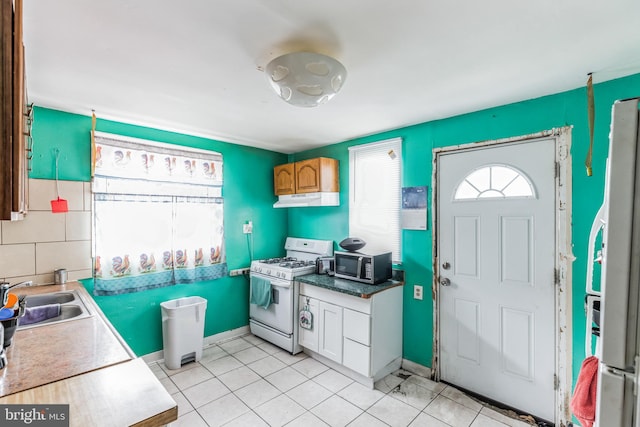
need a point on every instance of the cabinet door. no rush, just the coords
(308, 338)
(18, 203)
(357, 357)
(308, 176)
(357, 326)
(13, 173)
(284, 179)
(330, 331)
(6, 108)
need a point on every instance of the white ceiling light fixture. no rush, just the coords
(306, 79)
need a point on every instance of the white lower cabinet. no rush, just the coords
(330, 331)
(325, 335)
(308, 338)
(357, 357)
(356, 341)
(361, 334)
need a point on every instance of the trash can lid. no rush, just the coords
(185, 302)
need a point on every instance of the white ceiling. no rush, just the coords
(194, 65)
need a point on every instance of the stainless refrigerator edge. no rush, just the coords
(617, 348)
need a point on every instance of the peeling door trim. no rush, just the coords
(563, 261)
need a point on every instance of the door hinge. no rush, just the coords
(557, 169)
(556, 382)
(556, 277)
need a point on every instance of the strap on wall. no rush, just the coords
(592, 116)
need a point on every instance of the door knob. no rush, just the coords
(446, 265)
(445, 282)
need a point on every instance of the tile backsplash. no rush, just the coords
(31, 249)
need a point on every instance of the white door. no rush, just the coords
(496, 254)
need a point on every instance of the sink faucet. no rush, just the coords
(5, 286)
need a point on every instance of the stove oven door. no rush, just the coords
(279, 315)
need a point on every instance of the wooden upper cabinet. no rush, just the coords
(306, 176)
(13, 106)
(319, 174)
(284, 180)
(6, 107)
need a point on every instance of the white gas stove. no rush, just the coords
(276, 323)
(286, 268)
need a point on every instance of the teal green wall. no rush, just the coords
(248, 195)
(564, 109)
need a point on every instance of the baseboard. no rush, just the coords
(225, 336)
(208, 341)
(416, 368)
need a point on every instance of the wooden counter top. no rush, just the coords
(127, 394)
(84, 363)
(43, 354)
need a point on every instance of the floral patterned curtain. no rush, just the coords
(158, 215)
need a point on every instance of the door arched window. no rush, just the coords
(494, 182)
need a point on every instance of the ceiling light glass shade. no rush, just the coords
(305, 79)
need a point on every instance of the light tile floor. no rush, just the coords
(249, 382)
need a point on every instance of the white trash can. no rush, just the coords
(182, 330)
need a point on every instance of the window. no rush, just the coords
(494, 182)
(375, 194)
(157, 213)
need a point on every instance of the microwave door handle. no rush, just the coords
(359, 270)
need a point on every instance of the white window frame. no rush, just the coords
(377, 240)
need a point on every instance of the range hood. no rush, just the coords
(308, 199)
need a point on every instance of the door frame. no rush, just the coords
(563, 260)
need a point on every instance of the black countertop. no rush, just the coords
(345, 286)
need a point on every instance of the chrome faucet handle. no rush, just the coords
(25, 283)
(4, 293)
(5, 286)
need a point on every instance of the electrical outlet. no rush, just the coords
(417, 292)
(247, 228)
(239, 271)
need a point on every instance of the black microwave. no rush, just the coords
(371, 269)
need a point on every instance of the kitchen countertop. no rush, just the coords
(126, 394)
(82, 362)
(43, 354)
(345, 286)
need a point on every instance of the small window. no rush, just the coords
(494, 182)
(157, 215)
(375, 172)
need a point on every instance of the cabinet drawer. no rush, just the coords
(357, 326)
(357, 357)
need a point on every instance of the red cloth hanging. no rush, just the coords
(583, 402)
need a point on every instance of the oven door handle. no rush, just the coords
(274, 282)
(281, 284)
